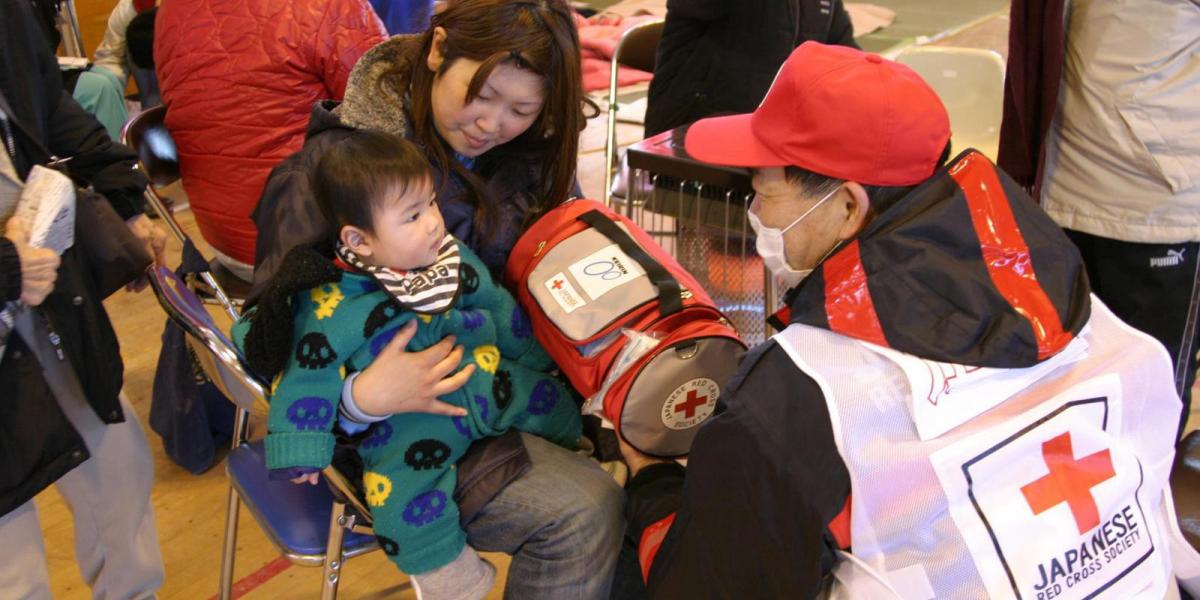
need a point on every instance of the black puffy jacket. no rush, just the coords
(720, 57)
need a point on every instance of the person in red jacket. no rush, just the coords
(239, 81)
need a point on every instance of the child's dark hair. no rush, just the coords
(354, 174)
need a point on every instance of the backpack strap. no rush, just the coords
(670, 299)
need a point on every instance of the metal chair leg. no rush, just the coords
(332, 570)
(241, 421)
(230, 547)
(610, 139)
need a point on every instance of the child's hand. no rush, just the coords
(311, 478)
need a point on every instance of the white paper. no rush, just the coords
(47, 206)
(604, 270)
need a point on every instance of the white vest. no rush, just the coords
(1038, 483)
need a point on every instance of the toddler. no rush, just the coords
(330, 310)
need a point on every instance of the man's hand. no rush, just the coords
(39, 266)
(634, 459)
(155, 240)
(399, 381)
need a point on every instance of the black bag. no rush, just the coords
(186, 409)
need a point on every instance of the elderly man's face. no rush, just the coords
(779, 202)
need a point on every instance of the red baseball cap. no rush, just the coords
(835, 111)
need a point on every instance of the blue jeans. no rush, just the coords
(562, 523)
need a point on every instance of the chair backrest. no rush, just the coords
(639, 45)
(637, 49)
(223, 364)
(215, 352)
(147, 135)
(970, 82)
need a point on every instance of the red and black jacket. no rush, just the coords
(964, 269)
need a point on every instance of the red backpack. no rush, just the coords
(628, 326)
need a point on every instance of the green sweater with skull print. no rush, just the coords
(340, 327)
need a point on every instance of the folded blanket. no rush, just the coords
(598, 38)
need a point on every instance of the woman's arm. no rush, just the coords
(401, 381)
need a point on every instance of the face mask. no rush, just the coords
(770, 246)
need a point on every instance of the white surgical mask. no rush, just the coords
(770, 246)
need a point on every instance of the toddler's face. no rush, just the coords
(408, 229)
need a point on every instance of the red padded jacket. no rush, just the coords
(239, 80)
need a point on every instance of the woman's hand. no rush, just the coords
(39, 266)
(400, 381)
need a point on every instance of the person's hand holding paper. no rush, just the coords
(41, 229)
(39, 266)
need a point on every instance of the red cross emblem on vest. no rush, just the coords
(1070, 481)
(690, 405)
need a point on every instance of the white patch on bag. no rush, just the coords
(1052, 503)
(605, 269)
(564, 293)
(691, 403)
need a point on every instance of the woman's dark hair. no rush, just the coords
(882, 196)
(535, 35)
(354, 174)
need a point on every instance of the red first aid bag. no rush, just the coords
(622, 318)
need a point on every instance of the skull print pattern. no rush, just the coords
(409, 459)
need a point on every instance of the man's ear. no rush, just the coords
(858, 207)
(356, 240)
(437, 53)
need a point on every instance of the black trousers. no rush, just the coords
(1155, 288)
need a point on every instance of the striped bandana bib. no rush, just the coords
(428, 290)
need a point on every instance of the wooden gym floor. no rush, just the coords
(190, 510)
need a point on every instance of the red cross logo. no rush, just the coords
(1069, 481)
(694, 401)
(557, 284)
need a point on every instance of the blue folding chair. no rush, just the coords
(311, 525)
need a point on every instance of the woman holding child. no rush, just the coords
(491, 97)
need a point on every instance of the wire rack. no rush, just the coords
(697, 212)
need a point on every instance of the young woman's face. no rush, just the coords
(508, 103)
